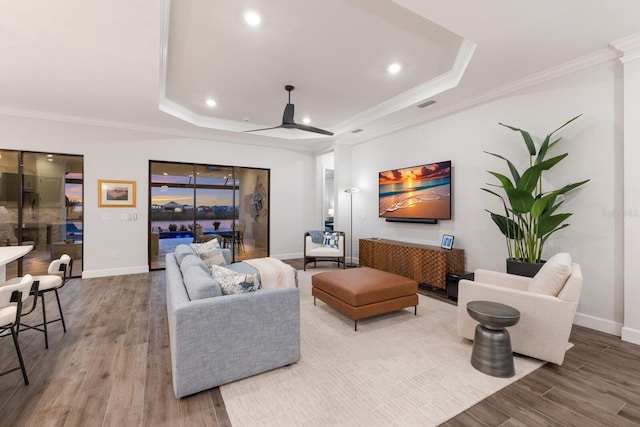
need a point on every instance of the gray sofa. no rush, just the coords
(217, 340)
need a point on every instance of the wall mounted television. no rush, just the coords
(416, 194)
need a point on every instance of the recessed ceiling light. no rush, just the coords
(252, 18)
(306, 120)
(394, 68)
(211, 102)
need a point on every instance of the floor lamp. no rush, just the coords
(350, 191)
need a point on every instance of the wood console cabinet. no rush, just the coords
(423, 263)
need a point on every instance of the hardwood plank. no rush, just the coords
(465, 419)
(160, 403)
(129, 378)
(197, 410)
(631, 412)
(129, 417)
(542, 404)
(519, 412)
(89, 408)
(221, 411)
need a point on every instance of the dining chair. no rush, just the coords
(11, 301)
(59, 273)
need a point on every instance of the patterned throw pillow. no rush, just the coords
(232, 282)
(330, 240)
(211, 253)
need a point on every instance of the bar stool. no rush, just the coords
(11, 300)
(59, 274)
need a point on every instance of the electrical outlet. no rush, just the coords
(114, 254)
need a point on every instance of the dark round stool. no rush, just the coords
(492, 353)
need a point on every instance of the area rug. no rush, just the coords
(397, 369)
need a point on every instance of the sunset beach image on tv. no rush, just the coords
(419, 192)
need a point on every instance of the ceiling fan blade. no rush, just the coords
(312, 129)
(257, 130)
(287, 117)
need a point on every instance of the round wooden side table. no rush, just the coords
(492, 353)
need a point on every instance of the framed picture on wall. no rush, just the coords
(447, 242)
(116, 194)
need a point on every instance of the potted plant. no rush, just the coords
(530, 213)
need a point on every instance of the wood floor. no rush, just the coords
(112, 368)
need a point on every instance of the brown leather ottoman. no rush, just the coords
(364, 292)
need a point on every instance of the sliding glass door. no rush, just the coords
(197, 203)
(41, 200)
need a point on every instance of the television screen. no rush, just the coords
(419, 192)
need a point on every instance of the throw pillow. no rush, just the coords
(330, 240)
(552, 276)
(211, 253)
(199, 284)
(182, 251)
(211, 244)
(232, 282)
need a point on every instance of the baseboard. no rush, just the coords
(296, 255)
(90, 274)
(598, 324)
(631, 335)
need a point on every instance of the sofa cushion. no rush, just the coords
(330, 240)
(191, 260)
(232, 282)
(199, 284)
(552, 276)
(182, 251)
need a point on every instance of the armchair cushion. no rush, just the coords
(552, 276)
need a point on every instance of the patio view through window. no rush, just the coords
(193, 203)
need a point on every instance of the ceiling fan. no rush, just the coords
(287, 119)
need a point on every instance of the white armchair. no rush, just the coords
(545, 320)
(314, 252)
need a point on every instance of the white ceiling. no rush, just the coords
(151, 64)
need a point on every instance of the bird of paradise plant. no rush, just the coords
(530, 216)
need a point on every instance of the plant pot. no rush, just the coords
(522, 268)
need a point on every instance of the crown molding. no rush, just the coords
(587, 61)
(629, 46)
(415, 95)
(209, 135)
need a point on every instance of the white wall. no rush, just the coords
(594, 144)
(122, 154)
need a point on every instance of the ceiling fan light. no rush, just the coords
(306, 120)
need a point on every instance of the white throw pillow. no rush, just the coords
(211, 253)
(552, 276)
